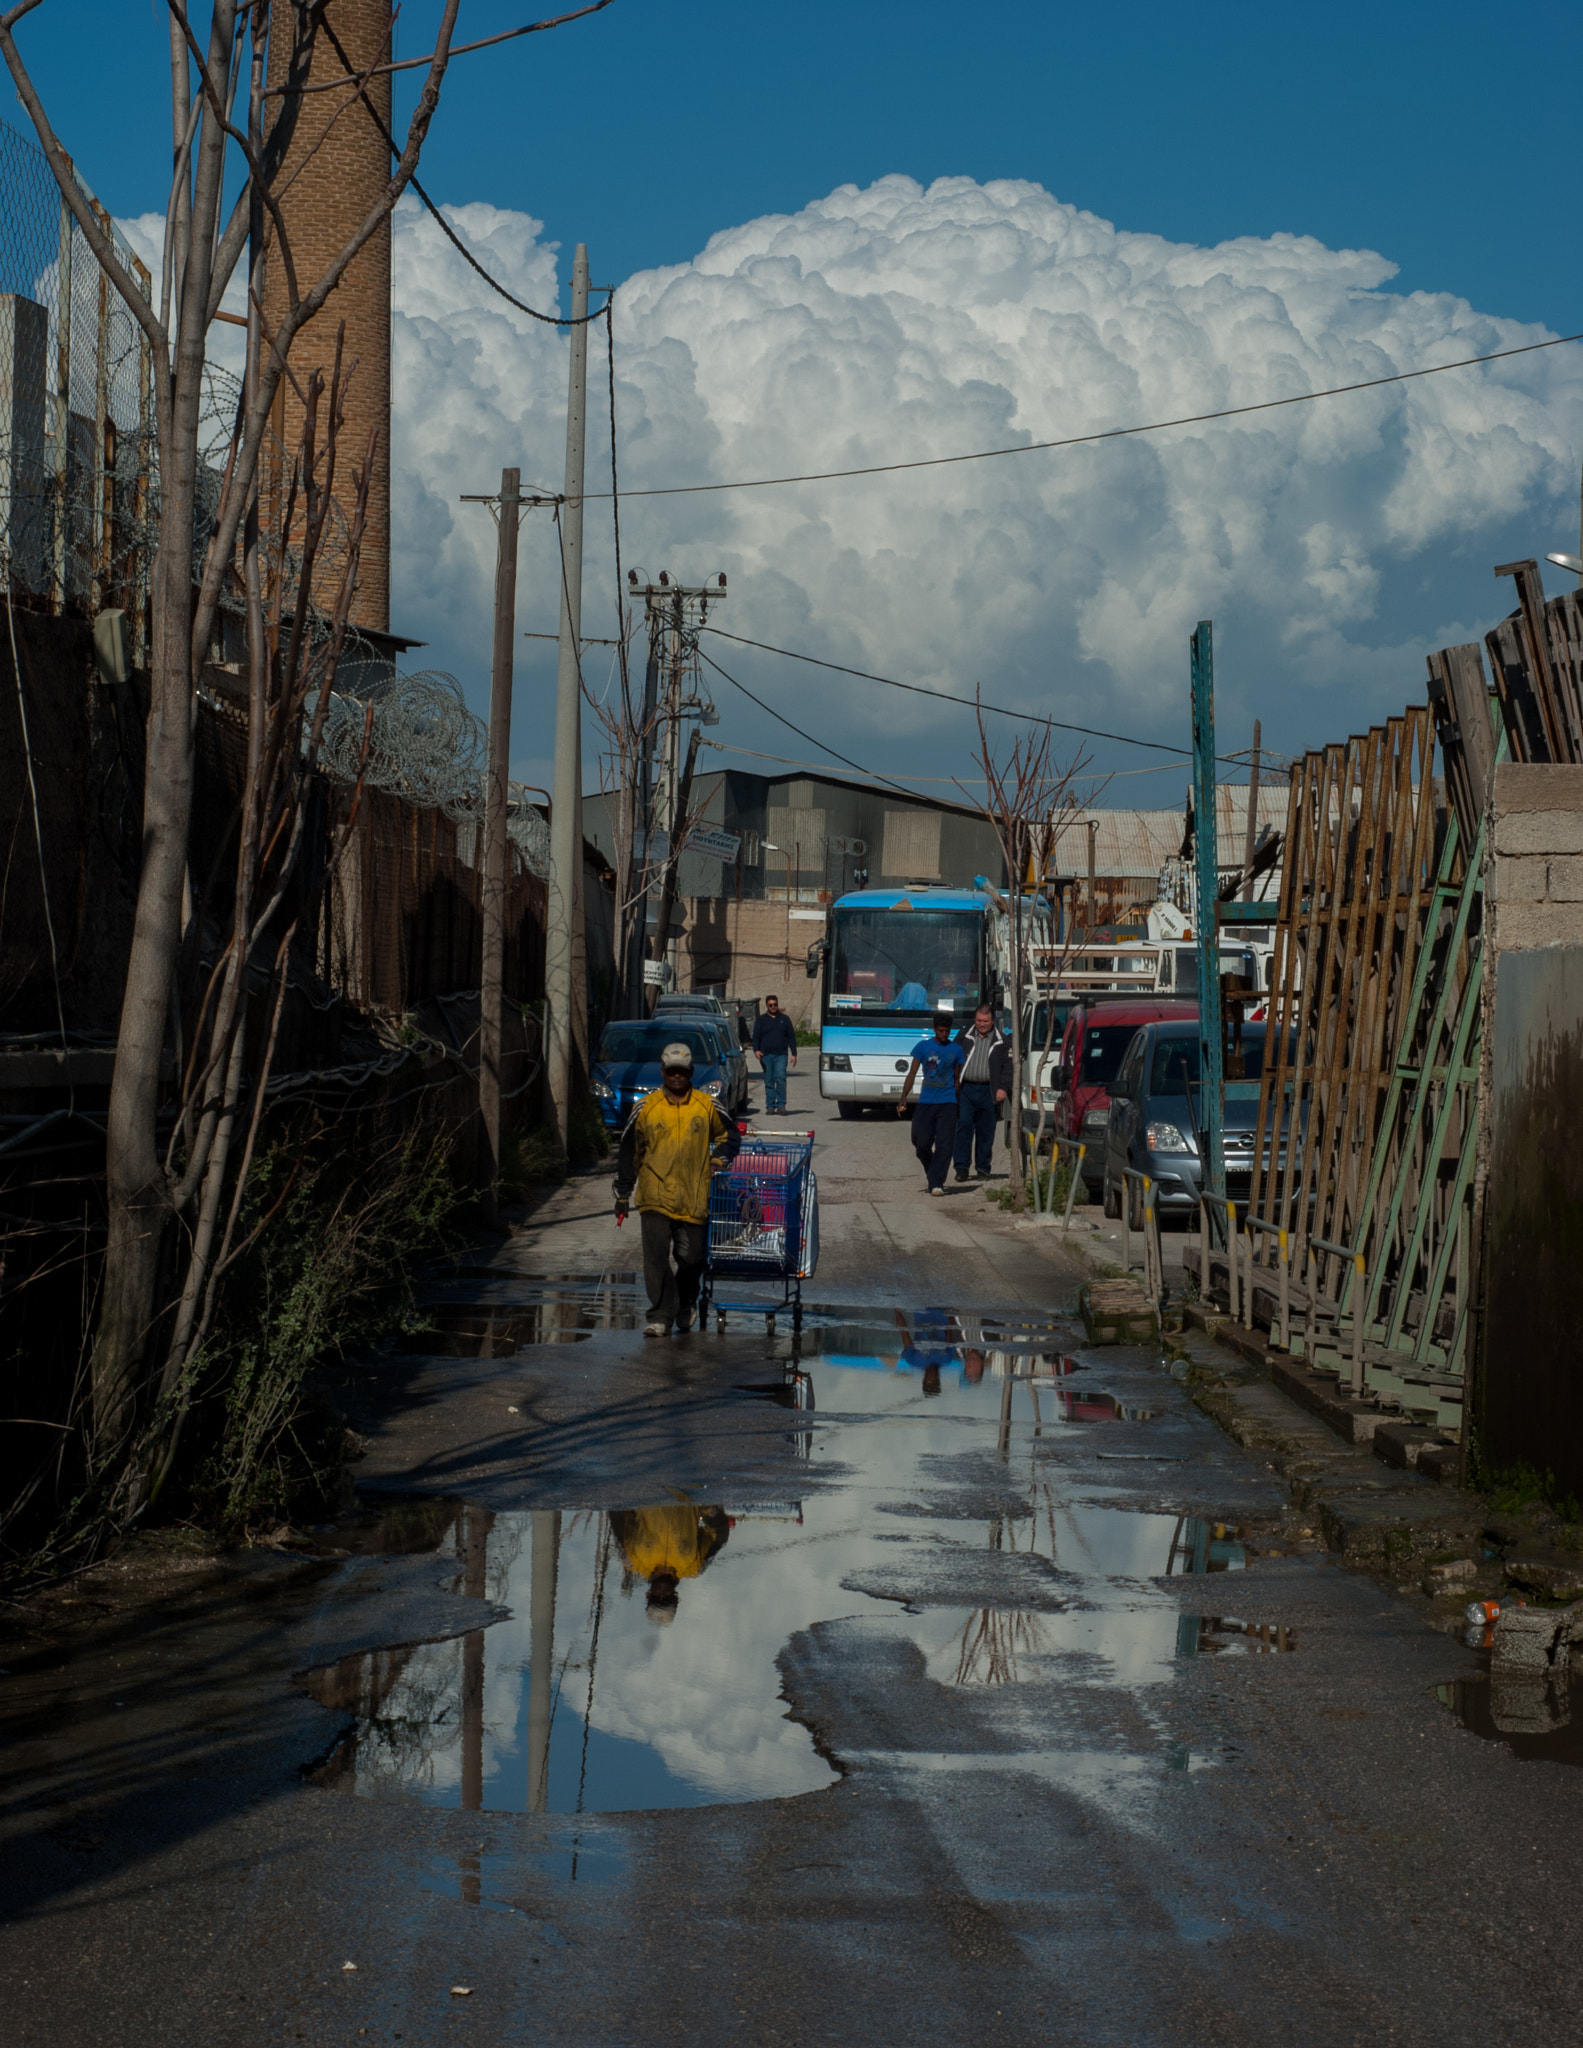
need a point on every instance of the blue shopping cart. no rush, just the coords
(763, 1225)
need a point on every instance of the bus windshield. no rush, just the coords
(905, 962)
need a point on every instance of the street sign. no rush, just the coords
(658, 974)
(856, 847)
(712, 843)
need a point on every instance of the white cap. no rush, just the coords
(677, 1056)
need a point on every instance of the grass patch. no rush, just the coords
(1048, 1186)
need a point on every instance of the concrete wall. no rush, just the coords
(1528, 1396)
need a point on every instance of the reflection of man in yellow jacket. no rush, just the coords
(675, 1140)
(666, 1545)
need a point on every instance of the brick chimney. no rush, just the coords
(337, 163)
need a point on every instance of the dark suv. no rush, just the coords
(1156, 1110)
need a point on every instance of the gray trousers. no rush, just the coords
(672, 1292)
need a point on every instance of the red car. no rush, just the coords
(1098, 1032)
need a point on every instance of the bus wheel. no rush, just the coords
(849, 1112)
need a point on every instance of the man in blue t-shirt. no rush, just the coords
(934, 1120)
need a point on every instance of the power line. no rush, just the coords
(872, 773)
(962, 703)
(1196, 419)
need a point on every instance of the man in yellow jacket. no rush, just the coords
(675, 1140)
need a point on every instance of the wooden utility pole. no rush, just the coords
(497, 851)
(673, 861)
(1093, 903)
(1251, 835)
(561, 951)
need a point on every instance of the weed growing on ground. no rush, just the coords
(343, 1240)
(529, 1159)
(1048, 1188)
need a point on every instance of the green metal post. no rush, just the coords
(1206, 928)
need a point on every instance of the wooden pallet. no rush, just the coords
(1117, 1312)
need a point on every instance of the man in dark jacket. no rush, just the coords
(986, 1084)
(775, 1041)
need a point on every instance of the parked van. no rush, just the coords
(1098, 1033)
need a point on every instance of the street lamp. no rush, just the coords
(1567, 562)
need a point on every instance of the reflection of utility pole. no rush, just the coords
(476, 1525)
(677, 613)
(541, 1653)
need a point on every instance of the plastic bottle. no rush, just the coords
(1480, 1613)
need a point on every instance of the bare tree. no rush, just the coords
(215, 145)
(1029, 799)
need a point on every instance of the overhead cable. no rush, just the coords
(963, 703)
(872, 773)
(1196, 419)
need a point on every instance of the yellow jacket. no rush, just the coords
(668, 1152)
(680, 1540)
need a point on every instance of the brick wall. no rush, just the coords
(322, 207)
(755, 948)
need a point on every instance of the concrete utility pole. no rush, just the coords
(566, 851)
(1249, 837)
(496, 848)
(677, 612)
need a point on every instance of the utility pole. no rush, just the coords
(491, 1022)
(677, 613)
(561, 950)
(1251, 833)
(636, 1004)
(496, 854)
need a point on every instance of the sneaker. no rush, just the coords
(685, 1320)
(656, 1329)
(937, 1191)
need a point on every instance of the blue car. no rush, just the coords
(626, 1066)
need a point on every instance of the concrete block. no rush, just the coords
(1399, 1443)
(1550, 1578)
(1537, 786)
(1455, 1577)
(1566, 880)
(1519, 879)
(1440, 1462)
(1528, 832)
(1531, 1641)
(1528, 927)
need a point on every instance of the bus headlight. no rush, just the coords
(834, 1063)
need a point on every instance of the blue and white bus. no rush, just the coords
(893, 960)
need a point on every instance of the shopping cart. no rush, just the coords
(763, 1225)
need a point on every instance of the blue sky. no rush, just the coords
(1332, 554)
(1430, 132)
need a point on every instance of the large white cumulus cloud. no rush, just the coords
(1331, 542)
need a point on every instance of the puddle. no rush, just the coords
(1538, 1718)
(638, 1668)
(481, 1331)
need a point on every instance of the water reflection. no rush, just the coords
(638, 1666)
(554, 1316)
(1538, 1716)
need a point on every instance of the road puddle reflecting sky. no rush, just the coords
(638, 1668)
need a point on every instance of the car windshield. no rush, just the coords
(1104, 1047)
(642, 1044)
(1042, 1031)
(911, 962)
(1176, 1061)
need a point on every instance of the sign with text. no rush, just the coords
(712, 843)
(658, 974)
